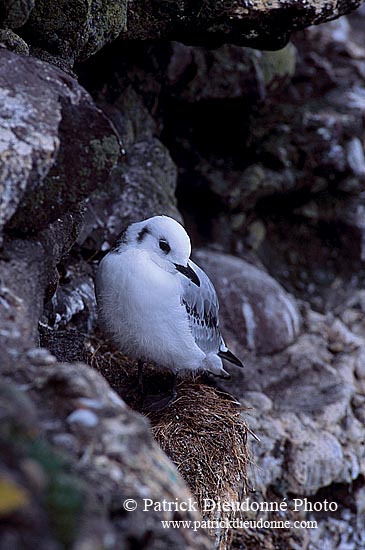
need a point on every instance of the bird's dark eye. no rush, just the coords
(164, 246)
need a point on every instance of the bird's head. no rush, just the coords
(166, 242)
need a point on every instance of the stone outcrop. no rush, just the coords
(142, 184)
(257, 24)
(255, 310)
(50, 129)
(84, 453)
(261, 153)
(70, 32)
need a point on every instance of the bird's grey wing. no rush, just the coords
(201, 304)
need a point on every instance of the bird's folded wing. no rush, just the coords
(201, 304)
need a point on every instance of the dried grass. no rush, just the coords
(203, 431)
(204, 434)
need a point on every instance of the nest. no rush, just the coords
(204, 434)
(202, 431)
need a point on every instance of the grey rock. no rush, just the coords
(141, 186)
(75, 31)
(351, 312)
(315, 459)
(16, 404)
(60, 235)
(130, 116)
(65, 441)
(27, 271)
(297, 380)
(257, 24)
(26, 268)
(15, 13)
(23, 279)
(13, 42)
(119, 459)
(356, 157)
(151, 178)
(258, 400)
(84, 418)
(74, 381)
(40, 356)
(311, 433)
(247, 156)
(40, 166)
(229, 72)
(255, 310)
(73, 304)
(34, 473)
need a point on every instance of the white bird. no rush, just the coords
(157, 304)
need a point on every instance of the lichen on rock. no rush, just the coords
(257, 24)
(48, 162)
(13, 42)
(76, 30)
(15, 13)
(261, 154)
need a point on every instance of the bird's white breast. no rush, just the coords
(140, 306)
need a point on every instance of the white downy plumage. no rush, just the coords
(157, 304)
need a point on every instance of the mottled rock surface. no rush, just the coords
(262, 154)
(13, 42)
(255, 310)
(75, 30)
(56, 147)
(15, 13)
(142, 184)
(22, 286)
(84, 458)
(229, 72)
(257, 24)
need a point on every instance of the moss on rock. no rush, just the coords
(13, 42)
(14, 13)
(37, 478)
(278, 66)
(75, 30)
(60, 146)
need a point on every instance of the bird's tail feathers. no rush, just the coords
(214, 366)
(223, 374)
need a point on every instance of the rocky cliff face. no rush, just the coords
(111, 112)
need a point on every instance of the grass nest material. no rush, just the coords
(204, 434)
(202, 430)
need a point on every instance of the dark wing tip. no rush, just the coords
(188, 272)
(229, 356)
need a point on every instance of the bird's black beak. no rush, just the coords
(189, 273)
